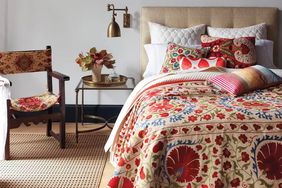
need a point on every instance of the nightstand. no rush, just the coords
(81, 86)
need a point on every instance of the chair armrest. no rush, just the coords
(59, 76)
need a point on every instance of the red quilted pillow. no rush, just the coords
(239, 52)
(187, 63)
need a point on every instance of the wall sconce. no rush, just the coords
(113, 28)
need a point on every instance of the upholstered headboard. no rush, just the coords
(229, 17)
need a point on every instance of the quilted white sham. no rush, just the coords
(259, 31)
(185, 37)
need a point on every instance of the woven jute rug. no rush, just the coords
(38, 162)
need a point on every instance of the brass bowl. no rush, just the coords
(105, 81)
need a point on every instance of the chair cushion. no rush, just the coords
(34, 103)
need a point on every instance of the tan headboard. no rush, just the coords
(229, 17)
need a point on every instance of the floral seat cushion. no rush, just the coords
(34, 103)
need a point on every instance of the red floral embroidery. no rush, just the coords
(214, 175)
(243, 138)
(217, 162)
(235, 182)
(244, 127)
(219, 184)
(208, 140)
(207, 117)
(269, 160)
(142, 174)
(183, 163)
(215, 150)
(219, 140)
(245, 156)
(220, 115)
(205, 168)
(142, 134)
(226, 153)
(279, 126)
(120, 182)
(137, 162)
(198, 111)
(257, 127)
(240, 116)
(121, 162)
(226, 165)
(192, 118)
(161, 107)
(158, 147)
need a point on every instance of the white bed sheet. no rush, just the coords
(4, 95)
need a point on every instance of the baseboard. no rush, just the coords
(105, 111)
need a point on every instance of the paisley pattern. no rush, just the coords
(190, 134)
(239, 52)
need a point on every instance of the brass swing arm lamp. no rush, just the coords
(113, 28)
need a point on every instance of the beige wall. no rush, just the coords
(72, 26)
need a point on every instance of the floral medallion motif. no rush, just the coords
(182, 164)
(269, 159)
(118, 181)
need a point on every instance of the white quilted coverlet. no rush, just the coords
(4, 95)
(184, 37)
(259, 31)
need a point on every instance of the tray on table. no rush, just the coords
(105, 81)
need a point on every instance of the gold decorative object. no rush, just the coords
(96, 72)
(113, 28)
(105, 81)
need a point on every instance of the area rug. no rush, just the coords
(37, 161)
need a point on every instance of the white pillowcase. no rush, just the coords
(184, 37)
(156, 55)
(264, 53)
(259, 31)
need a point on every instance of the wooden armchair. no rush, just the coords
(38, 108)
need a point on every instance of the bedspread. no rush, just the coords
(4, 95)
(183, 132)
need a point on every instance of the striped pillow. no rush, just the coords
(247, 79)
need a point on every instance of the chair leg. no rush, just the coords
(62, 134)
(49, 128)
(7, 145)
(49, 123)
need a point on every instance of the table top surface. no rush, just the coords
(129, 85)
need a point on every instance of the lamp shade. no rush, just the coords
(113, 29)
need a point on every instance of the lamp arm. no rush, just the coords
(111, 7)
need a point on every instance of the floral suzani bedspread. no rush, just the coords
(186, 133)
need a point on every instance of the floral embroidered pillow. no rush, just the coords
(175, 51)
(238, 52)
(245, 80)
(187, 63)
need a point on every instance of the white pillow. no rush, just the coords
(264, 53)
(184, 37)
(156, 55)
(259, 31)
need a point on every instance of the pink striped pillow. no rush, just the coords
(246, 80)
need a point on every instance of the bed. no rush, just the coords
(177, 130)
